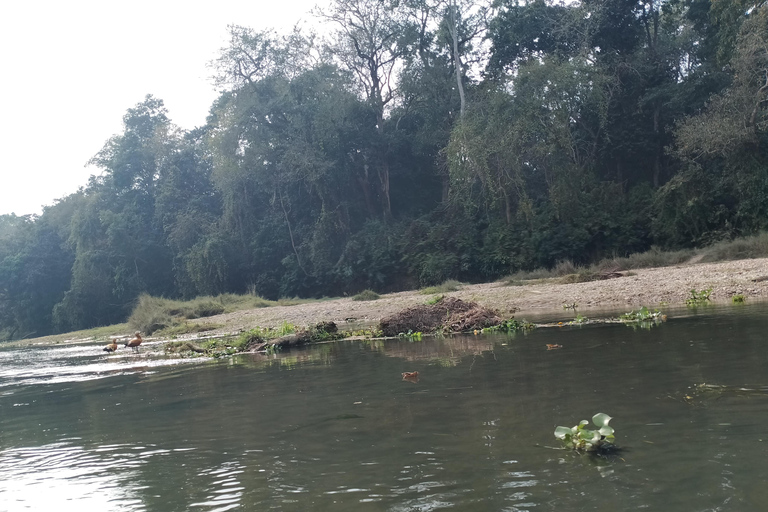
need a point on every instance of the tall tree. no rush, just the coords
(371, 41)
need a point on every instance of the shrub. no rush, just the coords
(150, 314)
(366, 295)
(741, 248)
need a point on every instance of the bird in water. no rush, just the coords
(135, 342)
(411, 376)
(111, 347)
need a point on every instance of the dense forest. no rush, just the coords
(415, 141)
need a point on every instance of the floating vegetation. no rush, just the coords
(643, 318)
(582, 439)
(510, 326)
(700, 394)
(738, 299)
(698, 297)
(580, 319)
(413, 336)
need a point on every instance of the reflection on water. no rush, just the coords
(102, 478)
(75, 363)
(335, 427)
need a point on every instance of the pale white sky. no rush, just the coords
(70, 70)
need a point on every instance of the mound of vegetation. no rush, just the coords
(449, 314)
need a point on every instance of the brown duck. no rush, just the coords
(111, 347)
(135, 342)
(411, 376)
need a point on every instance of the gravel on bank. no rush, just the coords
(651, 287)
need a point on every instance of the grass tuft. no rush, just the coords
(366, 295)
(739, 249)
(153, 314)
(450, 285)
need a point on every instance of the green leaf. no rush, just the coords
(562, 432)
(601, 419)
(606, 431)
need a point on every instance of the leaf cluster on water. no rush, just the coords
(510, 326)
(582, 439)
(643, 317)
(698, 297)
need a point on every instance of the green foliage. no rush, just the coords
(755, 246)
(641, 315)
(285, 328)
(271, 350)
(582, 439)
(580, 319)
(643, 318)
(410, 335)
(450, 285)
(598, 135)
(178, 328)
(511, 326)
(247, 338)
(698, 297)
(366, 295)
(434, 300)
(154, 313)
(738, 299)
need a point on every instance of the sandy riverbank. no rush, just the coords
(645, 287)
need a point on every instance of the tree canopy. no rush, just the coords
(419, 140)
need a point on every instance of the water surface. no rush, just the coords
(334, 427)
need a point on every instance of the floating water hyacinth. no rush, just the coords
(583, 439)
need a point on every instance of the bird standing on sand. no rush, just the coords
(135, 342)
(111, 347)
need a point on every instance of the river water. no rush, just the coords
(334, 426)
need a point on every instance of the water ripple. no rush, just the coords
(77, 363)
(38, 478)
(226, 491)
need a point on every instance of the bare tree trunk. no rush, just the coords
(454, 30)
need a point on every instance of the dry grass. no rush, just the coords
(153, 314)
(450, 285)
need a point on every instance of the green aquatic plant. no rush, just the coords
(738, 299)
(511, 326)
(580, 319)
(643, 317)
(412, 336)
(582, 439)
(698, 297)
